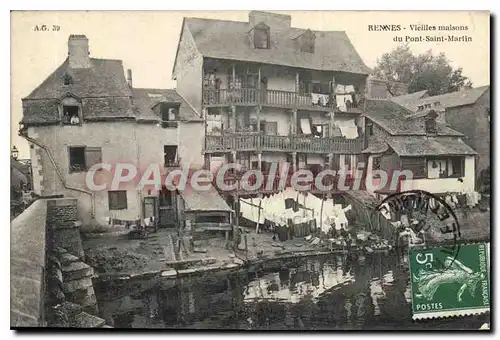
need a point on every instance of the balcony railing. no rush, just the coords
(273, 184)
(248, 96)
(252, 142)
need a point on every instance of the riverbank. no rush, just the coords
(115, 257)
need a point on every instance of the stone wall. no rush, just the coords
(27, 266)
(51, 286)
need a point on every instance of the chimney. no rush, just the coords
(376, 88)
(78, 51)
(273, 20)
(129, 77)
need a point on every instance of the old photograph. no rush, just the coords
(250, 170)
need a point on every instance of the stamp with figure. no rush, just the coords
(444, 286)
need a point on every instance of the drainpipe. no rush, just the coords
(59, 174)
(138, 157)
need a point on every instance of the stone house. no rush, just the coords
(86, 112)
(270, 92)
(467, 111)
(399, 140)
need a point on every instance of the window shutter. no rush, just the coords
(326, 131)
(271, 128)
(93, 155)
(117, 200)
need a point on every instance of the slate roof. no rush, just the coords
(145, 99)
(422, 146)
(453, 99)
(376, 147)
(102, 89)
(104, 79)
(397, 120)
(209, 200)
(17, 175)
(231, 40)
(408, 100)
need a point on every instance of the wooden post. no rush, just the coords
(232, 120)
(331, 124)
(259, 157)
(260, 94)
(236, 207)
(295, 130)
(321, 214)
(257, 110)
(297, 82)
(233, 75)
(333, 87)
(258, 218)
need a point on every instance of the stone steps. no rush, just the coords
(85, 320)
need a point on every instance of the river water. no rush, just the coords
(323, 293)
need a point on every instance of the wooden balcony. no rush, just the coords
(274, 184)
(303, 144)
(271, 98)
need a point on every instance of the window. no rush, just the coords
(376, 163)
(71, 115)
(271, 128)
(448, 167)
(170, 155)
(427, 106)
(169, 115)
(369, 129)
(261, 36)
(456, 167)
(243, 159)
(305, 83)
(320, 130)
(251, 81)
(166, 198)
(67, 80)
(117, 200)
(335, 161)
(420, 108)
(307, 45)
(322, 88)
(430, 125)
(81, 158)
(415, 165)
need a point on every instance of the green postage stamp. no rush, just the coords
(450, 283)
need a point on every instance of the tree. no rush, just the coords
(421, 72)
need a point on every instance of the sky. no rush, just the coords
(147, 41)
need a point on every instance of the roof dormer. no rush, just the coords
(70, 109)
(261, 36)
(306, 41)
(430, 122)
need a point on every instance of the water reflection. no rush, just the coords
(332, 292)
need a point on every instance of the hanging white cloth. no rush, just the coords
(305, 126)
(340, 89)
(324, 99)
(315, 97)
(349, 89)
(348, 128)
(342, 100)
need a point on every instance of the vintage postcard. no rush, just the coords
(250, 170)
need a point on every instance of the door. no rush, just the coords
(263, 90)
(150, 209)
